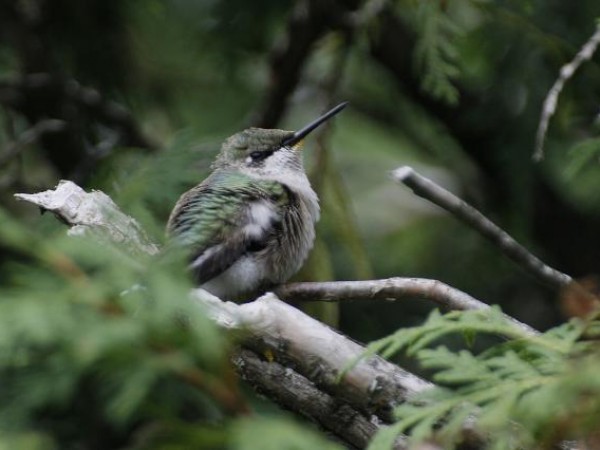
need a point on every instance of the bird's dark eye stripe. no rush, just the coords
(259, 156)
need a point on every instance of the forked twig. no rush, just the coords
(566, 72)
(424, 187)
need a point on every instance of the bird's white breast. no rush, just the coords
(245, 275)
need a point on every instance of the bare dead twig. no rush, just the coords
(389, 289)
(92, 212)
(566, 72)
(424, 187)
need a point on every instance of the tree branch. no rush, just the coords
(299, 395)
(424, 187)
(566, 72)
(395, 288)
(388, 289)
(94, 213)
(17, 92)
(373, 385)
(88, 116)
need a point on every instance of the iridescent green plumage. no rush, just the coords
(216, 212)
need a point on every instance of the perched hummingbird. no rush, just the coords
(250, 224)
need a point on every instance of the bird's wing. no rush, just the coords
(223, 218)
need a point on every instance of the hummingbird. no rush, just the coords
(251, 223)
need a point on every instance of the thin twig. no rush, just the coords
(28, 137)
(15, 91)
(388, 289)
(330, 87)
(566, 72)
(424, 187)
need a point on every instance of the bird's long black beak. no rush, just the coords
(301, 134)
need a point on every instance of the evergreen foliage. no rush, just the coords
(436, 54)
(101, 350)
(521, 393)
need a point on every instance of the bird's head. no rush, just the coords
(267, 151)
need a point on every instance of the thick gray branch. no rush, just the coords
(427, 189)
(298, 394)
(314, 350)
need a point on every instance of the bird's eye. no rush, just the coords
(259, 156)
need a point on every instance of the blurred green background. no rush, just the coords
(134, 97)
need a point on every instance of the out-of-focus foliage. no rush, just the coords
(527, 392)
(454, 88)
(435, 52)
(94, 343)
(100, 350)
